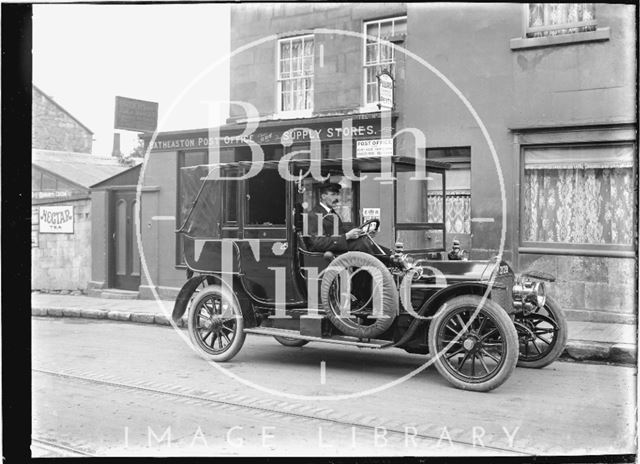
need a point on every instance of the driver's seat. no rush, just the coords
(306, 257)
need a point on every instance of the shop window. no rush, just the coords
(379, 56)
(577, 196)
(550, 19)
(295, 74)
(187, 189)
(458, 194)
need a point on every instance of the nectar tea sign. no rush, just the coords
(56, 219)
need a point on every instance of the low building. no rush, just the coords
(61, 216)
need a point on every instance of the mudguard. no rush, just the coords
(185, 294)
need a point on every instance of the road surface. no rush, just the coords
(105, 388)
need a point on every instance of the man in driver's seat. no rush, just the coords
(325, 240)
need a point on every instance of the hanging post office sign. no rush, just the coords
(56, 219)
(385, 90)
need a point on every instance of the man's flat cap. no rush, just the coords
(329, 187)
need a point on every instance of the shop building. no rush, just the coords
(551, 87)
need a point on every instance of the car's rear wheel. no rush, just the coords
(473, 353)
(542, 335)
(215, 323)
(292, 342)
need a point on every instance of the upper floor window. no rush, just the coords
(379, 55)
(549, 19)
(295, 74)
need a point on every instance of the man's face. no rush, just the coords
(330, 198)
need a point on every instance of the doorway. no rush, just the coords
(124, 262)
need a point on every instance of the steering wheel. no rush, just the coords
(370, 221)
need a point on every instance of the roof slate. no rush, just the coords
(81, 168)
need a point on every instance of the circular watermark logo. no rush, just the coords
(280, 248)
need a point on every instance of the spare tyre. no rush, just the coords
(370, 306)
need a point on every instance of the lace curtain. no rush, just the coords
(555, 14)
(458, 209)
(579, 202)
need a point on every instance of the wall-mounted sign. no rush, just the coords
(374, 147)
(49, 194)
(56, 219)
(136, 115)
(385, 90)
(34, 215)
(365, 126)
(370, 213)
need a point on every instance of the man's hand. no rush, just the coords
(353, 234)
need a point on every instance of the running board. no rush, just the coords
(336, 339)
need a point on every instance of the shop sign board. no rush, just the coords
(375, 147)
(56, 219)
(136, 115)
(327, 131)
(385, 90)
(49, 194)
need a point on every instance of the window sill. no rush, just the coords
(600, 34)
(544, 250)
(294, 114)
(369, 108)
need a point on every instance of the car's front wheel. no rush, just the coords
(542, 334)
(473, 353)
(215, 323)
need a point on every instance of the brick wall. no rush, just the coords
(63, 261)
(55, 129)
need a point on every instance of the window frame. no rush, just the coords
(304, 113)
(577, 249)
(373, 106)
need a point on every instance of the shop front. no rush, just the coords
(167, 193)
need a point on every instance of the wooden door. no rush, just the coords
(125, 257)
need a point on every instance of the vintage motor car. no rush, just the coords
(250, 270)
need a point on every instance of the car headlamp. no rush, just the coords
(529, 294)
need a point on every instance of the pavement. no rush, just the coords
(587, 341)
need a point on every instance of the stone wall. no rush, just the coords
(54, 129)
(599, 289)
(63, 261)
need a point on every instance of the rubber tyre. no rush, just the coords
(389, 300)
(559, 342)
(204, 296)
(291, 342)
(500, 320)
